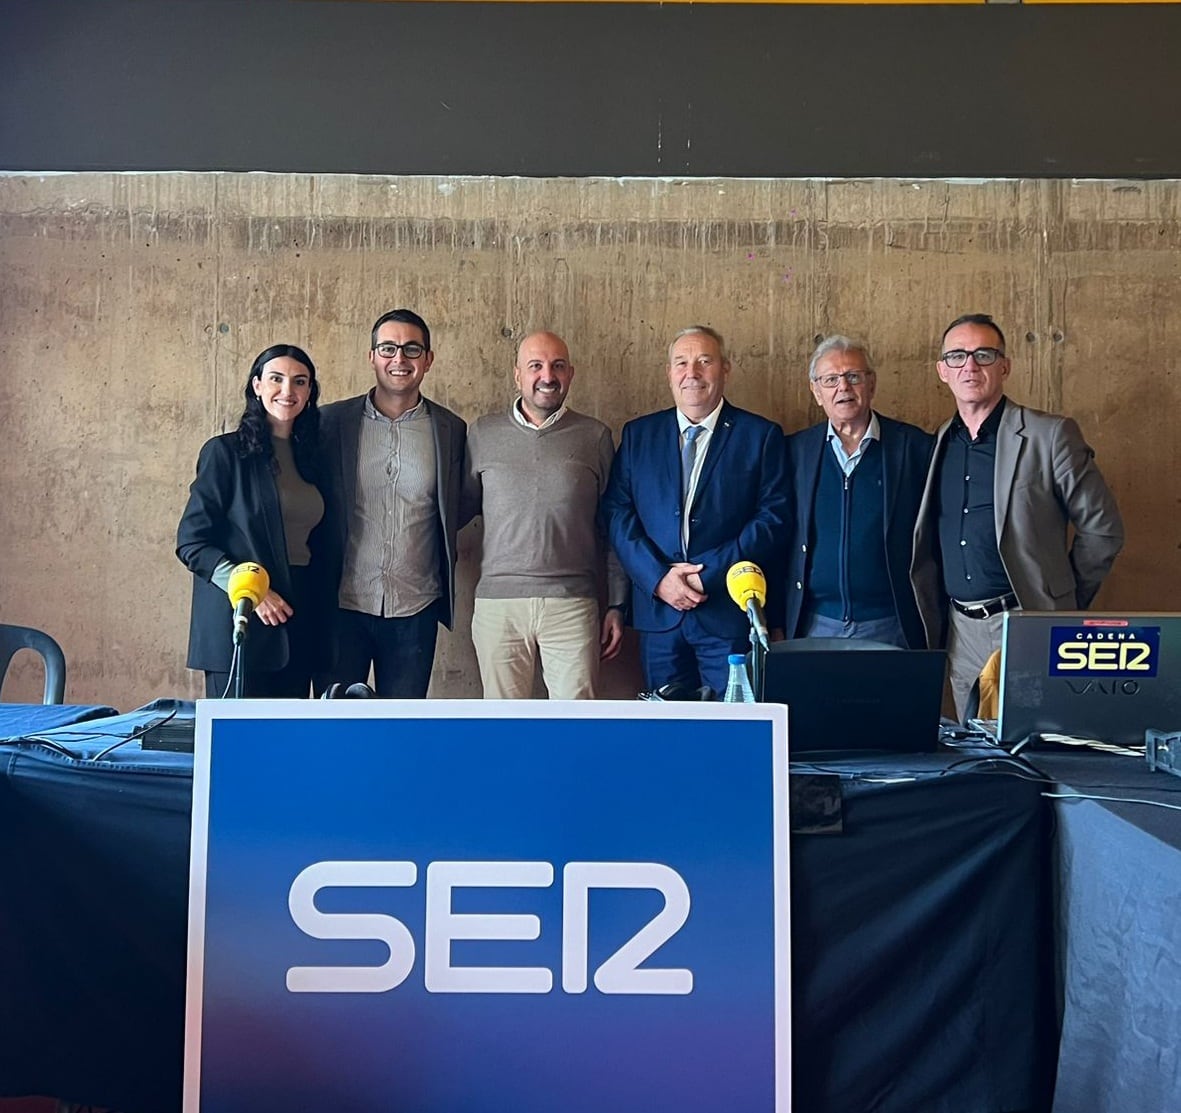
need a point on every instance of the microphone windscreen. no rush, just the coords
(745, 581)
(248, 581)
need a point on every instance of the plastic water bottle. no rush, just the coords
(738, 689)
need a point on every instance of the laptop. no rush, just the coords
(1090, 675)
(843, 694)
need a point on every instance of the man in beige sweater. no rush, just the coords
(535, 472)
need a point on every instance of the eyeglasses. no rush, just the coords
(984, 357)
(853, 378)
(387, 349)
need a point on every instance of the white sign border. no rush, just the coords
(209, 710)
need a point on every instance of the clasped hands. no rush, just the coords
(681, 587)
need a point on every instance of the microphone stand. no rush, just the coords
(238, 665)
(758, 659)
(240, 678)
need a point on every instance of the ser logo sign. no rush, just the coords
(1088, 656)
(621, 973)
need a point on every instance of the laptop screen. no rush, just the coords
(852, 697)
(1089, 674)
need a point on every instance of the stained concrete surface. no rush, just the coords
(132, 305)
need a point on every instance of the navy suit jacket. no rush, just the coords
(906, 453)
(740, 512)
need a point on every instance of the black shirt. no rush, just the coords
(972, 567)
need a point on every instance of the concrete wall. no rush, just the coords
(131, 306)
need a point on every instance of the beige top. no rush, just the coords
(301, 503)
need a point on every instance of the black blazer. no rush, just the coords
(340, 429)
(906, 452)
(233, 514)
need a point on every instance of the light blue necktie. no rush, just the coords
(688, 455)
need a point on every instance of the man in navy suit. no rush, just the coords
(858, 478)
(694, 490)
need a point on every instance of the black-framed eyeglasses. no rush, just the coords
(853, 378)
(984, 357)
(387, 349)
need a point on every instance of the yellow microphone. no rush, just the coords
(748, 588)
(248, 586)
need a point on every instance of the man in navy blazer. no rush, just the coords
(857, 478)
(694, 490)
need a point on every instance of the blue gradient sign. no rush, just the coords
(479, 907)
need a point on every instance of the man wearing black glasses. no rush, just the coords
(1006, 485)
(857, 479)
(396, 461)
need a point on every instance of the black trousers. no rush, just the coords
(400, 650)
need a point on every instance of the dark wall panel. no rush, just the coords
(590, 89)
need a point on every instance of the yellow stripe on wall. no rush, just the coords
(893, 3)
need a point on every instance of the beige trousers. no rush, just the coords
(970, 643)
(511, 635)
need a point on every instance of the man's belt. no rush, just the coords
(988, 607)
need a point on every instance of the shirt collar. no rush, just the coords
(989, 425)
(553, 419)
(374, 414)
(873, 431)
(708, 423)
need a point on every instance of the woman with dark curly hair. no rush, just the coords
(260, 495)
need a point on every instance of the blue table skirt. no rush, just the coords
(19, 720)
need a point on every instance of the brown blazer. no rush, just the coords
(1046, 482)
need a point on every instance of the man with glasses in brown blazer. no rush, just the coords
(1006, 488)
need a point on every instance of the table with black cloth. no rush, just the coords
(1119, 906)
(921, 977)
(94, 883)
(922, 944)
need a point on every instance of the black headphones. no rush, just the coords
(677, 692)
(349, 691)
